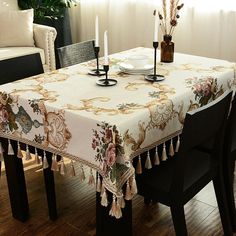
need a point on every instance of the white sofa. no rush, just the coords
(44, 38)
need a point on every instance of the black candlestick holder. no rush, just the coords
(106, 82)
(154, 77)
(97, 71)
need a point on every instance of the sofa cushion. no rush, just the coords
(10, 52)
(16, 28)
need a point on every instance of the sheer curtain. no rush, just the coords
(205, 27)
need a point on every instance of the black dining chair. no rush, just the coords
(16, 68)
(76, 53)
(230, 155)
(179, 179)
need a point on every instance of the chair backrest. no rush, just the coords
(20, 67)
(76, 53)
(202, 126)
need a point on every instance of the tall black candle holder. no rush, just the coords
(97, 71)
(154, 77)
(106, 82)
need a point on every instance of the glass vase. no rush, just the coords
(167, 49)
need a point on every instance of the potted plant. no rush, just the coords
(45, 10)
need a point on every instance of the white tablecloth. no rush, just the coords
(66, 113)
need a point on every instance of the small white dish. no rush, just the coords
(137, 61)
(130, 67)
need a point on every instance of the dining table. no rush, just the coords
(68, 114)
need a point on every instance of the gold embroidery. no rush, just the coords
(56, 131)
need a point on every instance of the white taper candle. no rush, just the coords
(155, 38)
(96, 32)
(105, 49)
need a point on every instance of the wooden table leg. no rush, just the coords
(16, 183)
(107, 225)
(50, 189)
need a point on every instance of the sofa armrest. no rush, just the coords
(44, 37)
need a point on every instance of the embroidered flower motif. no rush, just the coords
(94, 144)
(23, 118)
(37, 106)
(161, 114)
(7, 116)
(108, 135)
(205, 89)
(3, 114)
(109, 149)
(56, 129)
(110, 157)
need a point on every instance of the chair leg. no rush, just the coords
(231, 207)
(222, 205)
(50, 190)
(229, 187)
(178, 218)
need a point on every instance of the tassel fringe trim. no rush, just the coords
(62, 167)
(45, 161)
(27, 154)
(118, 202)
(19, 152)
(10, 148)
(156, 157)
(72, 169)
(36, 156)
(148, 163)
(54, 166)
(139, 166)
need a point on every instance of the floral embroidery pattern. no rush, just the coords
(109, 150)
(39, 139)
(154, 94)
(25, 121)
(7, 117)
(56, 131)
(205, 89)
(92, 63)
(126, 108)
(39, 85)
(12, 121)
(35, 106)
(20, 120)
(161, 114)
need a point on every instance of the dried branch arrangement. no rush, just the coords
(169, 19)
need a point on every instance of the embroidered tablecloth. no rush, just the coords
(66, 113)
